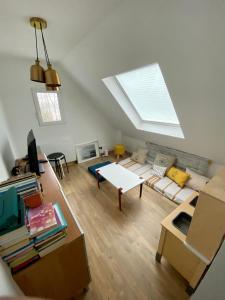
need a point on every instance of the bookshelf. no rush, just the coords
(63, 273)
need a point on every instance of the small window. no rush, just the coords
(48, 108)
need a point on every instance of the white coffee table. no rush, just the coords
(121, 178)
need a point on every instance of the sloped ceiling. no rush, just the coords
(69, 21)
(94, 39)
(187, 39)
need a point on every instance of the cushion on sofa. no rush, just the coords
(184, 194)
(178, 176)
(159, 170)
(171, 190)
(164, 160)
(196, 181)
(161, 184)
(140, 155)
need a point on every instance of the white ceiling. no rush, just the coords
(68, 22)
(94, 39)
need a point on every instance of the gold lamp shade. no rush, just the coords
(52, 77)
(52, 88)
(37, 73)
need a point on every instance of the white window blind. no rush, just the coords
(49, 107)
(147, 91)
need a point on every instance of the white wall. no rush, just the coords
(7, 156)
(187, 39)
(84, 121)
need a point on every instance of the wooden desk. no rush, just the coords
(63, 273)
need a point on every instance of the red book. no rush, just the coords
(25, 264)
(33, 199)
(41, 219)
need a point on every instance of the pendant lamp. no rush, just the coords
(51, 88)
(36, 71)
(50, 76)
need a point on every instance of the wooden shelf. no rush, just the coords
(63, 273)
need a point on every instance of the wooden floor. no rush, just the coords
(121, 246)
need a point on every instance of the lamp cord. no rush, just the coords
(36, 41)
(45, 48)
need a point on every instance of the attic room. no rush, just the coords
(112, 164)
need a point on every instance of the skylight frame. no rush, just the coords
(144, 120)
(152, 75)
(158, 127)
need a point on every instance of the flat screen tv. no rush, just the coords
(32, 153)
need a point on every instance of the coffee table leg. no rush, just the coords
(120, 194)
(141, 185)
(98, 177)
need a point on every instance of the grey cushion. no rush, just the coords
(140, 156)
(159, 170)
(164, 160)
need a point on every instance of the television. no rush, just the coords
(32, 153)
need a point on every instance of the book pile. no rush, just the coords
(24, 185)
(15, 246)
(47, 227)
(27, 234)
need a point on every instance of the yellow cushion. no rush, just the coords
(180, 177)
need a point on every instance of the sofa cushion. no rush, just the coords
(140, 155)
(164, 160)
(184, 194)
(159, 170)
(171, 190)
(163, 183)
(196, 181)
(178, 176)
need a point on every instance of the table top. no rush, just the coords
(120, 177)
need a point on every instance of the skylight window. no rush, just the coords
(147, 91)
(144, 97)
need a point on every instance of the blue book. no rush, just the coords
(62, 224)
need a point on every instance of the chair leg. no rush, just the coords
(66, 164)
(56, 167)
(59, 169)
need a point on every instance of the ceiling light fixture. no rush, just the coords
(50, 77)
(36, 71)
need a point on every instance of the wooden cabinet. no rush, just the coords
(191, 252)
(63, 273)
(208, 226)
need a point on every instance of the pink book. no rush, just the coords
(41, 219)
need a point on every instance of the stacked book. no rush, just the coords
(24, 184)
(27, 234)
(15, 246)
(47, 227)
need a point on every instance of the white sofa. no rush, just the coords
(164, 185)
